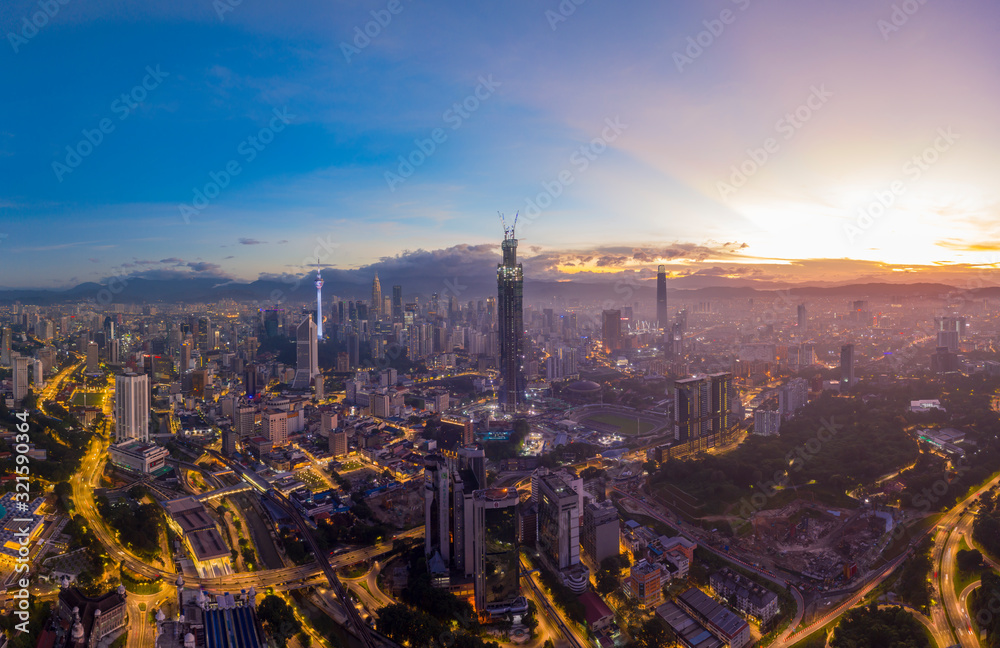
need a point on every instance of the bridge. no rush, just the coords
(242, 487)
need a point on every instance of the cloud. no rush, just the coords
(205, 266)
(250, 241)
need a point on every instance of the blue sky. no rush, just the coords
(657, 184)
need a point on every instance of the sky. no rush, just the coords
(796, 142)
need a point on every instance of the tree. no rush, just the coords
(607, 582)
(530, 620)
(278, 619)
(871, 627)
(969, 560)
(653, 633)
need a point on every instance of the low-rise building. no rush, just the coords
(92, 619)
(688, 631)
(745, 595)
(138, 456)
(725, 624)
(645, 584)
(188, 517)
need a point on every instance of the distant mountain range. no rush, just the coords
(213, 289)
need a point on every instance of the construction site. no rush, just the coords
(829, 546)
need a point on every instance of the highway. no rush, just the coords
(954, 525)
(574, 640)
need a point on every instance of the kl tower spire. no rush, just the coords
(319, 303)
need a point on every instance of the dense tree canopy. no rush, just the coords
(871, 627)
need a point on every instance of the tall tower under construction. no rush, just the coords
(319, 303)
(662, 319)
(510, 316)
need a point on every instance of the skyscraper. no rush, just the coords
(306, 354)
(692, 407)
(510, 296)
(662, 319)
(185, 356)
(600, 532)
(437, 518)
(20, 377)
(722, 403)
(497, 564)
(319, 303)
(558, 536)
(5, 347)
(802, 319)
(846, 366)
(92, 366)
(611, 330)
(397, 304)
(376, 300)
(132, 407)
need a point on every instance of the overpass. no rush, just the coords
(242, 487)
(361, 629)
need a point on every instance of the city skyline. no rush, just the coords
(691, 98)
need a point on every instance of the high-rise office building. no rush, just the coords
(497, 563)
(450, 482)
(600, 536)
(92, 365)
(114, 351)
(306, 354)
(338, 442)
(20, 377)
(5, 345)
(437, 509)
(802, 319)
(132, 407)
(662, 318)
(692, 411)
(376, 307)
(397, 304)
(185, 356)
(275, 426)
(510, 298)
(723, 393)
(243, 420)
(558, 536)
(611, 330)
(319, 303)
(39, 377)
(847, 367)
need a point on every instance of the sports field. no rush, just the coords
(95, 399)
(626, 425)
